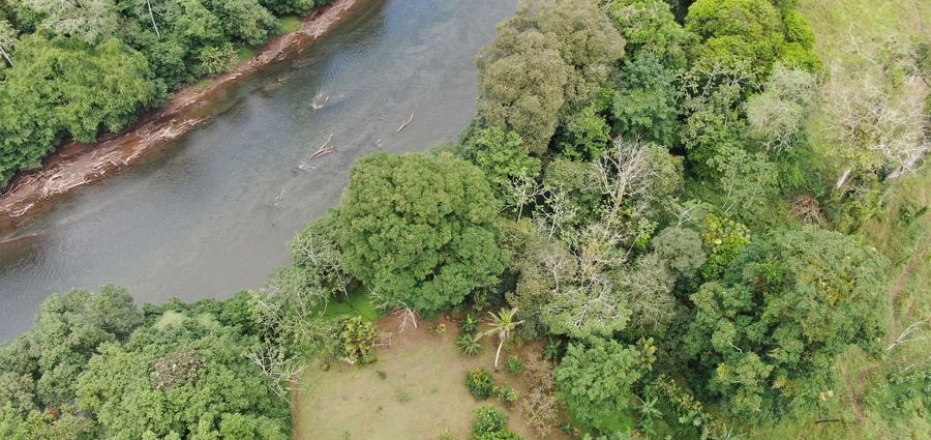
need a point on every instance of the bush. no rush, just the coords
(480, 383)
(469, 324)
(470, 345)
(551, 351)
(503, 434)
(507, 395)
(514, 365)
(488, 419)
(356, 340)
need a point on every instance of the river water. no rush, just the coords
(212, 215)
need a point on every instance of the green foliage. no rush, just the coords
(767, 334)
(552, 349)
(649, 26)
(468, 324)
(418, 230)
(681, 249)
(515, 365)
(222, 395)
(470, 345)
(284, 7)
(215, 60)
(488, 419)
(66, 87)
(498, 435)
(90, 21)
(356, 340)
(595, 382)
(723, 239)
(645, 106)
(574, 185)
(734, 31)
(480, 383)
(507, 395)
(506, 163)
(587, 135)
(547, 61)
(245, 21)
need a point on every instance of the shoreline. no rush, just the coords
(74, 164)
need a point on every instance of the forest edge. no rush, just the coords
(75, 164)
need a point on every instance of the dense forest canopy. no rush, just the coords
(678, 196)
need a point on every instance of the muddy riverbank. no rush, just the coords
(76, 164)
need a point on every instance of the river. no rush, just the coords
(212, 214)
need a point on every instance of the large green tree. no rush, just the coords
(419, 229)
(39, 369)
(767, 334)
(595, 382)
(186, 375)
(548, 61)
(66, 87)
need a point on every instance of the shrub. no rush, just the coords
(480, 383)
(469, 344)
(469, 324)
(356, 340)
(404, 397)
(514, 365)
(551, 351)
(438, 329)
(503, 434)
(507, 395)
(488, 419)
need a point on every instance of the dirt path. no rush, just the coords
(75, 164)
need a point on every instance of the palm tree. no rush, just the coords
(502, 324)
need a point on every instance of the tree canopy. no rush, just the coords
(766, 335)
(419, 229)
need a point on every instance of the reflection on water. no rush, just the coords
(213, 214)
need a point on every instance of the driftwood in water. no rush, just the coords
(409, 120)
(277, 200)
(324, 149)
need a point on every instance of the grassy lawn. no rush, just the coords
(414, 391)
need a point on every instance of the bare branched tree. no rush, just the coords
(875, 109)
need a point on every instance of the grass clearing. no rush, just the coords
(414, 391)
(289, 23)
(358, 304)
(245, 53)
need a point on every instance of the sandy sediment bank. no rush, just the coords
(75, 164)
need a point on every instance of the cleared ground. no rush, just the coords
(415, 391)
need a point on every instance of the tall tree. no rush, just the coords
(548, 61)
(419, 229)
(595, 382)
(88, 20)
(182, 377)
(766, 335)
